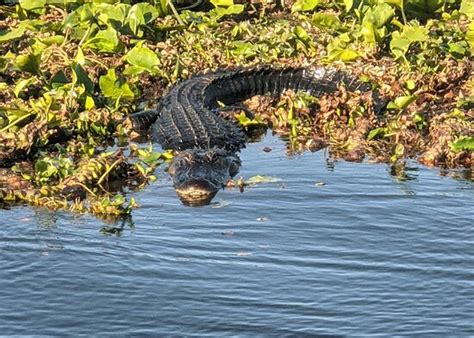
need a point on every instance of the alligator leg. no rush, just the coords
(229, 112)
(143, 120)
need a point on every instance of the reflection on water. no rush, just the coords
(331, 248)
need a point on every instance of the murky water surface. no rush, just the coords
(330, 249)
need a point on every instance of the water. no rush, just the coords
(363, 254)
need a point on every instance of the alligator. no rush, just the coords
(193, 119)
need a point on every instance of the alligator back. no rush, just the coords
(189, 113)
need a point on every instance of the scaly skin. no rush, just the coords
(188, 120)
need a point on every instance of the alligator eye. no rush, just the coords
(233, 169)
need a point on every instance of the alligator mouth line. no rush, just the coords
(196, 192)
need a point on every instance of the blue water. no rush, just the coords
(332, 248)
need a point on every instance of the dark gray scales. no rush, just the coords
(188, 116)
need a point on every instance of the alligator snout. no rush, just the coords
(196, 192)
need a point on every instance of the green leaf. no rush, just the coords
(104, 41)
(401, 102)
(457, 49)
(327, 21)
(80, 77)
(346, 55)
(32, 4)
(349, 4)
(423, 8)
(114, 88)
(29, 63)
(302, 35)
(379, 15)
(470, 36)
(148, 11)
(89, 103)
(115, 15)
(463, 143)
(11, 34)
(467, 8)
(133, 70)
(53, 40)
(399, 45)
(399, 150)
(79, 58)
(377, 132)
(22, 84)
(416, 33)
(374, 21)
(135, 20)
(222, 3)
(410, 85)
(59, 79)
(220, 12)
(235, 9)
(143, 57)
(352, 4)
(304, 5)
(244, 48)
(259, 179)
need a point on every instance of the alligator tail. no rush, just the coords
(239, 85)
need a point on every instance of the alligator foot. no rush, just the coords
(143, 120)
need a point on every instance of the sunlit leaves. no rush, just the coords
(222, 3)
(28, 63)
(467, 8)
(326, 21)
(80, 77)
(141, 14)
(114, 87)
(401, 42)
(374, 21)
(142, 59)
(423, 8)
(350, 4)
(225, 7)
(470, 36)
(302, 36)
(104, 41)
(22, 84)
(50, 169)
(11, 34)
(463, 143)
(246, 49)
(304, 5)
(220, 12)
(340, 49)
(32, 4)
(401, 102)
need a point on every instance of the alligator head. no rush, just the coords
(198, 174)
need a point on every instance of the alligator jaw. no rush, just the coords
(196, 192)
